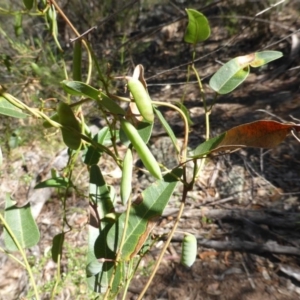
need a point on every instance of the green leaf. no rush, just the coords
(167, 127)
(101, 268)
(99, 193)
(228, 77)
(143, 216)
(93, 268)
(77, 88)
(22, 224)
(54, 118)
(28, 4)
(77, 55)
(186, 112)
(57, 248)
(71, 128)
(6, 108)
(126, 180)
(101, 205)
(91, 155)
(207, 146)
(235, 71)
(100, 248)
(100, 282)
(144, 129)
(104, 137)
(93, 235)
(264, 57)
(110, 104)
(51, 16)
(198, 29)
(57, 182)
(100, 272)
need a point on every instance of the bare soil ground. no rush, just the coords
(245, 207)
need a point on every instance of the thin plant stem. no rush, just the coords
(187, 81)
(40, 114)
(128, 280)
(12, 257)
(58, 278)
(158, 262)
(119, 252)
(184, 194)
(70, 168)
(84, 42)
(23, 254)
(207, 112)
(186, 127)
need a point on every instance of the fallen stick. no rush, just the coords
(277, 219)
(271, 218)
(268, 247)
(244, 246)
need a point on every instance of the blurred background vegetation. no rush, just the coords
(128, 33)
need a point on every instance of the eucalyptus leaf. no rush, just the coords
(91, 155)
(57, 182)
(198, 29)
(235, 71)
(57, 247)
(100, 281)
(207, 146)
(186, 112)
(99, 193)
(144, 129)
(110, 104)
(28, 4)
(229, 77)
(77, 56)
(7, 109)
(101, 262)
(143, 216)
(168, 128)
(78, 88)
(264, 57)
(54, 117)
(71, 128)
(22, 225)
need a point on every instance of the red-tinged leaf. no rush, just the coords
(259, 134)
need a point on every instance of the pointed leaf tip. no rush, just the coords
(235, 71)
(21, 224)
(259, 134)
